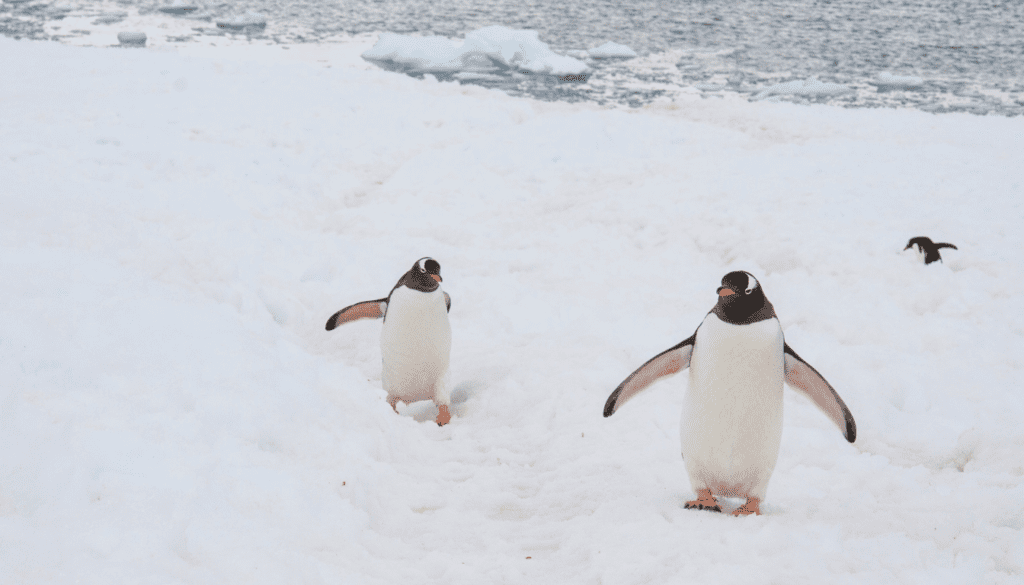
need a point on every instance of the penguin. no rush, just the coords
(732, 413)
(928, 248)
(416, 338)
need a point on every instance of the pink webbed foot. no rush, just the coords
(443, 416)
(753, 506)
(704, 501)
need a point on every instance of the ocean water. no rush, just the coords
(969, 54)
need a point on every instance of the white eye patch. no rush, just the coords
(421, 264)
(751, 283)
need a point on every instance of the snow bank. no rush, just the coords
(177, 227)
(493, 48)
(805, 87)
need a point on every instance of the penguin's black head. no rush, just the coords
(428, 266)
(921, 242)
(424, 276)
(741, 300)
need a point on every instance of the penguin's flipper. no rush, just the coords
(448, 302)
(666, 363)
(365, 310)
(945, 245)
(801, 376)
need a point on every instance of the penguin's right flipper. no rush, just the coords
(666, 363)
(945, 245)
(801, 376)
(365, 310)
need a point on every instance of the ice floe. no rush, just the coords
(179, 7)
(248, 20)
(611, 50)
(890, 81)
(487, 50)
(132, 39)
(805, 87)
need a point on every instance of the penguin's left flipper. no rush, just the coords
(448, 302)
(365, 310)
(671, 361)
(801, 376)
(945, 245)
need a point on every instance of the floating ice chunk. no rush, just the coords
(577, 53)
(132, 39)
(612, 50)
(483, 50)
(809, 87)
(248, 20)
(888, 80)
(179, 7)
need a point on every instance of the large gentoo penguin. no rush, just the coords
(928, 248)
(416, 340)
(732, 413)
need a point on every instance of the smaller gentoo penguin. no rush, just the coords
(731, 425)
(416, 339)
(928, 248)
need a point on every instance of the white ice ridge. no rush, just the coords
(898, 81)
(489, 49)
(809, 87)
(611, 49)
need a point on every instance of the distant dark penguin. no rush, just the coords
(416, 340)
(928, 248)
(731, 426)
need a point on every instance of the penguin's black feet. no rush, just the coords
(704, 501)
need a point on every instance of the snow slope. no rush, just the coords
(178, 226)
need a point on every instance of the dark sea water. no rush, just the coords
(970, 54)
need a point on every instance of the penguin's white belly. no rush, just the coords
(415, 344)
(732, 413)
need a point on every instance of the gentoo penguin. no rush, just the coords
(732, 412)
(416, 339)
(928, 248)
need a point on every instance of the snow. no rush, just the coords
(611, 50)
(179, 224)
(805, 87)
(492, 48)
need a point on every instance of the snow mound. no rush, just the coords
(489, 49)
(611, 50)
(808, 87)
(888, 80)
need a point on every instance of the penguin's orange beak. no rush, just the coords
(724, 291)
(436, 277)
